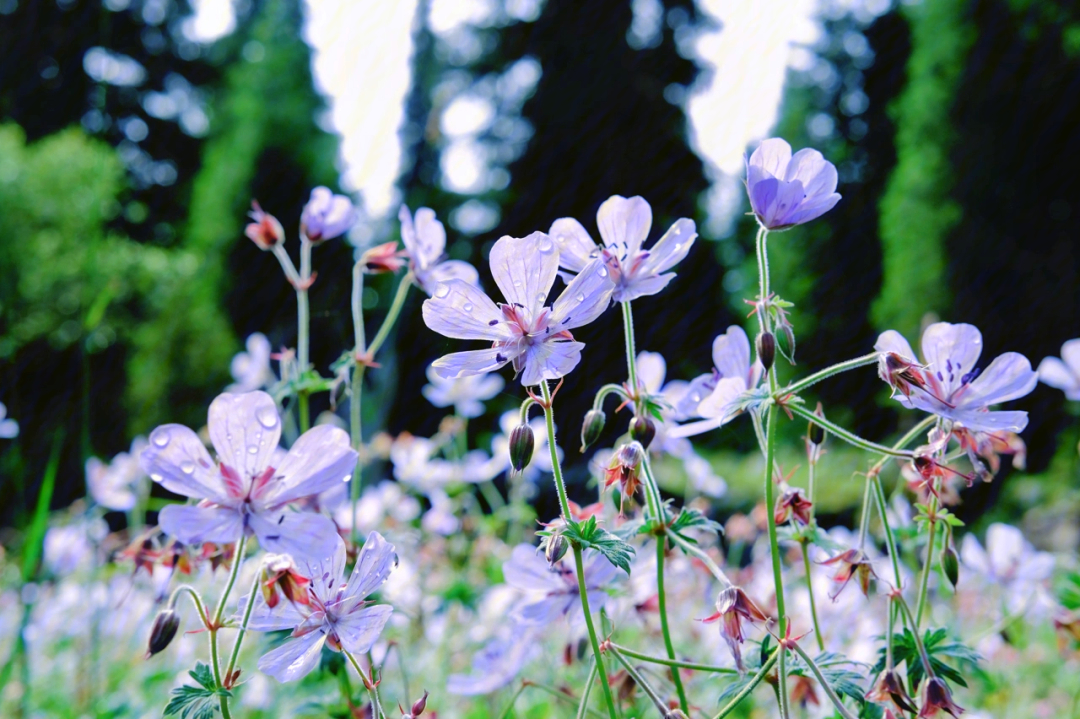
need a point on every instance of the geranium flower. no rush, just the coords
(530, 572)
(1064, 373)
(496, 665)
(335, 614)
(949, 383)
(326, 215)
(714, 396)
(425, 243)
(251, 369)
(788, 190)
(242, 493)
(466, 394)
(533, 336)
(624, 226)
(733, 607)
(416, 464)
(1008, 561)
(113, 485)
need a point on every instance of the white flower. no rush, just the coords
(714, 396)
(465, 394)
(114, 485)
(1063, 373)
(1009, 562)
(251, 369)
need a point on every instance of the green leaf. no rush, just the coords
(590, 536)
(35, 534)
(938, 645)
(692, 518)
(198, 702)
(835, 668)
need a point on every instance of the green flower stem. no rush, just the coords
(509, 711)
(603, 392)
(195, 599)
(661, 546)
(924, 657)
(864, 522)
(631, 352)
(924, 581)
(304, 313)
(829, 692)
(560, 485)
(583, 706)
(796, 387)
(555, 693)
(813, 602)
(762, 249)
(652, 494)
(845, 435)
(373, 692)
(781, 685)
(774, 544)
(890, 539)
(673, 662)
(700, 554)
(356, 390)
(745, 691)
(215, 625)
(661, 706)
(392, 314)
(584, 596)
(243, 626)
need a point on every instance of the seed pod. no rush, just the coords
(643, 430)
(522, 444)
(592, 427)
(766, 349)
(951, 564)
(165, 625)
(816, 433)
(419, 705)
(555, 548)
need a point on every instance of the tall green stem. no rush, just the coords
(849, 437)
(762, 248)
(243, 627)
(832, 370)
(924, 581)
(661, 706)
(215, 625)
(583, 707)
(303, 313)
(583, 591)
(673, 662)
(829, 691)
(745, 691)
(631, 352)
(356, 391)
(376, 707)
(560, 485)
(661, 545)
(392, 314)
(700, 554)
(813, 602)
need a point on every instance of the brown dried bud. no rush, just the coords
(766, 349)
(816, 433)
(166, 624)
(890, 688)
(852, 563)
(643, 430)
(792, 504)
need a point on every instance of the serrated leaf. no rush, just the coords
(938, 644)
(590, 536)
(198, 702)
(692, 518)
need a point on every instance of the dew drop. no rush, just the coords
(517, 283)
(252, 449)
(161, 437)
(602, 272)
(187, 467)
(545, 245)
(442, 291)
(678, 246)
(267, 417)
(580, 297)
(540, 296)
(467, 307)
(156, 477)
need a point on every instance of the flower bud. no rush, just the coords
(766, 349)
(555, 548)
(592, 427)
(522, 445)
(951, 564)
(382, 258)
(938, 698)
(165, 626)
(643, 430)
(419, 705)
(816, 433)
(265, 231)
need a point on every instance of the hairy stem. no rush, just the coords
(243, 628)
(631, 352)
(813, 602)
(745, 691)
(373, 693)
(829, 691)
(845, 435)
(702, 555)
(215, 625)
(560, 485)
(674, 662)
(830, 371)
(641, 682)
(584, 596)
(661, 545)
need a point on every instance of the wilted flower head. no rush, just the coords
(624, 226)
(852, 563)
(625, 468)
(530, 572)
(425, 244)
(889, 688)
(733, 606)
(533, 336)
(936, 698)
(714, 396)
(949, 383)
(788, 190)
(335, 615)
(265, 231)
(280, 577)
(326, 215)
(251, 369)
(383, 258)
(241, 492)
(9, 428)
(790, 504)
(1064, 373)
(465, 394)
(113, 485)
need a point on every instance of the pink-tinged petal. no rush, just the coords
(731, 353)
(528, 571)
(176, 459)
(651, 369)
(264, 619)
(358, 630)
(1008, 377)
(670, 249)
(245, 430)
(772, 156)
(576, 247)
(1009, 420)
(295, 658)
(326, 571)
(452, 270)
(195, 525)
(463, 364)
(550, 360)
(893, 341)
(305, 536)
(1056, 373)
(721, 403)
(624, 223)
(319, 460)
(462, 311)
(376, 560)
(424, 236)
(950, 349)
(817, 175)
(524, 268)
(584, 299)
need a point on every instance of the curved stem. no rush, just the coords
(652, 494)
(661, 544)
(560, 485)
(195, 599)
(303, 312)
(674, 662)
(640, 681)
(584, 596)
(376, 707)
(700, 554)
(243, 628)
(890, 539)
(830, 371)
(913, 625)
(745, 691)
(356, 390)
(215, 626)
(761, 244)
(845, 435)
(603, 392)
(583, 706)
(844, 711)
(864, 523)
(392, 314)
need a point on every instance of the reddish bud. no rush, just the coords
(383, 258)
(522, 445)
(643, 430)
(852, 563)
(792, 504)
(419, 705)
(900, 374)
(265, 231)
(625, 468)
(280, 576)
(937, 698)
(766, 349)
(732, 607)
(166, 624)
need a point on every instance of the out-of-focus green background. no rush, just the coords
(129, 154)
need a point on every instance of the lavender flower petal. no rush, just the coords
(624, 223)
(462, 311)
(463, 364)
(176, 459)
(245, 430)
(319, 460)
(195, 525)
(295, 658)
(358, 630)
(576, 247)
(584, 299)
(524, 269)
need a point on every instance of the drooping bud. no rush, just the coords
(625, 468)
(951, 564)
(592, 427)
(937, 698)
(643, 430)
(280, 576)
(383, 258)
(790, 504)
(890, 688)
(522, 445)
(265, 231)
(899, 373)
(165, 625)
(732, 607)
(766, 349)
(852, 563)
(555, 548)
(419, 705)
(816, 433)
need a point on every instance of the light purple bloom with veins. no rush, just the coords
(425, 242)
(533, 336)
(952, 385)
(624, 226)
(787, 190)
(496, 665)
(553, 590)
(714, 396)
(1064, 373)
(327, 215)
(242, 492)
(337, 616)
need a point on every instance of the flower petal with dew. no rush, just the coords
(714, 396)
(524, 331)
(624, 226)
(465, 394)
(251, 369)
(1064, 373)
(242, 492)
(425, 244)
(950, 384)
(787, 190)
(327, 215)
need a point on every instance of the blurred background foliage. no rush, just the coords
(126, 284)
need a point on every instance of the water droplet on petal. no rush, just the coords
(442, 291)
(540, 296)
(252, 449)
(467, 307)
(545, 245)
(156, 477)
(267, 417)
(517, 283)
(160, 437)
(187, 467)
(580, 297)
(678, 246)
(602, 272)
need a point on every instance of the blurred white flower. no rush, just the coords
(114, 485)
(9, 428)
(465, 394)
(1009, 562)
(416, 464)
(251, 369)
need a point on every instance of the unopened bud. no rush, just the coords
(592, 427)
(165, 626)
(643, 430)
(816, 433)
(522, 444)
(766, 349)
(555, 548)
(951, 564)
(265, 231)
(419, 705)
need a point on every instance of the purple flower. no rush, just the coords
(950, 384)
(714, 396)
(466, 394)
(530, 572)
(535, 337)
(251, 369)
(336, 614)
(1064, 373)
(425, 242)
(496, 665)
(242, 493)
(326, 215)
(788, 190)
(624, 225)
(115, 485)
